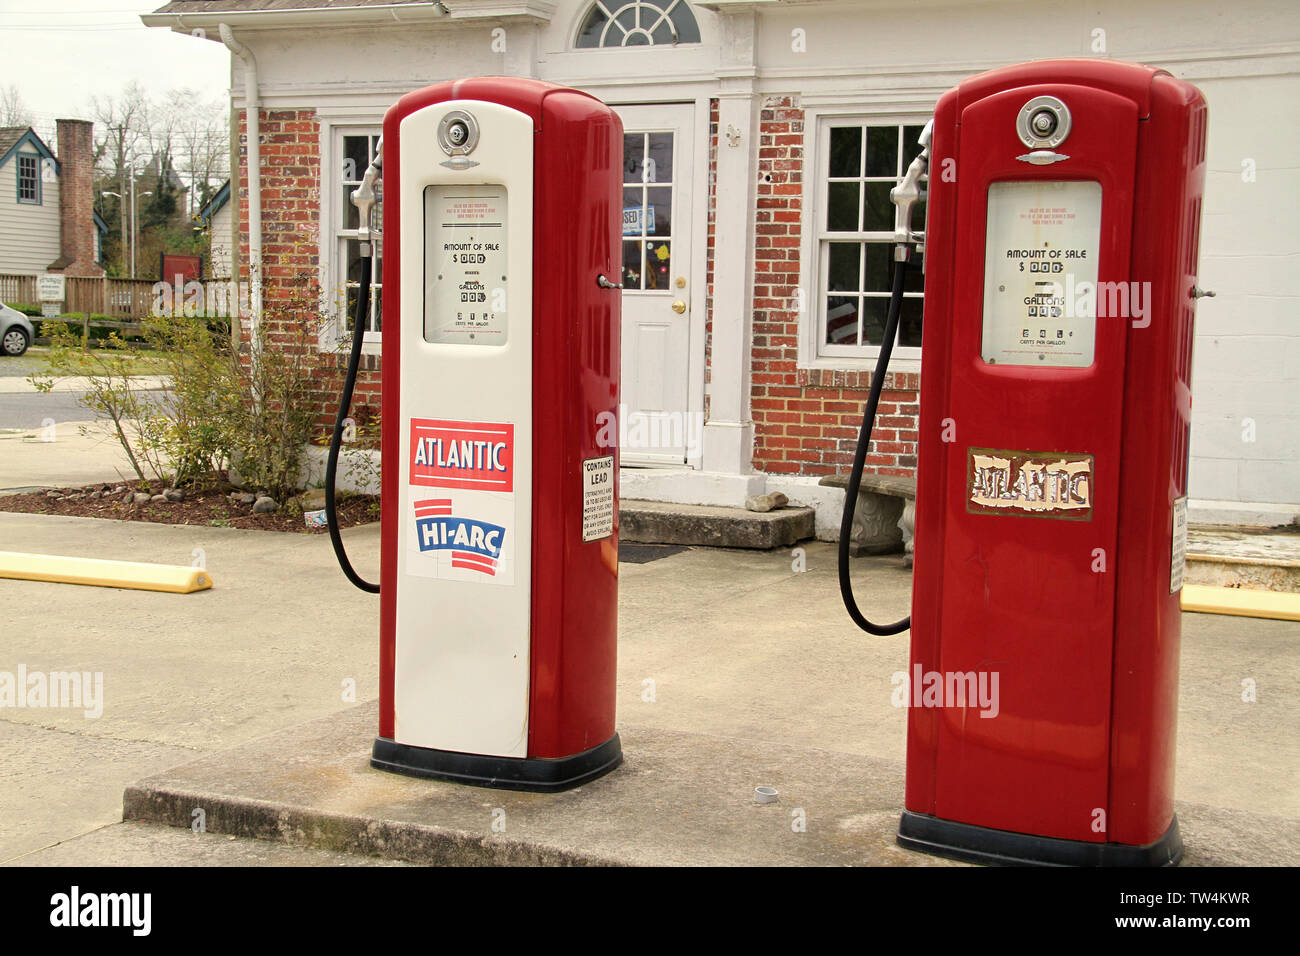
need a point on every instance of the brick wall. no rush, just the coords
(806, 421)
(291, 224)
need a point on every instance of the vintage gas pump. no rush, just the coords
(499, 547)
(1061, 244)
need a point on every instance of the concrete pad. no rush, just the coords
(59, 784)
(66, 454)
(749, 646)
(282, 638)
(678, 800)
(270, 645)
(657, 522)
(139, 844)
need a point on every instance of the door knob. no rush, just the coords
(679, 306)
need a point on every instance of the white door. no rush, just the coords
(658, 144)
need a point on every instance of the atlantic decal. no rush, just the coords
(1044, 484)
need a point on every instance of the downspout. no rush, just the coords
(252, 107)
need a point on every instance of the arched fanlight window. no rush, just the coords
(638, 23)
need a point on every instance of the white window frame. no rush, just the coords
(332, 235)
(613, 7)
(813, 266)
(38, 198)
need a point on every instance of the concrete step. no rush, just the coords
(678, 799)
(1243, 559)
(657, 522)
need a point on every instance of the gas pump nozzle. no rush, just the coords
(364, 196)
(905, 195)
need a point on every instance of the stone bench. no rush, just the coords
(885, 519)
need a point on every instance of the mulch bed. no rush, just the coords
(210, 505)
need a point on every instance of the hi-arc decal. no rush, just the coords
(474, 545)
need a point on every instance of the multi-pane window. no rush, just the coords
(29, 178)
(647, 211)
(860, 163)
(357, 152)
(638, 23)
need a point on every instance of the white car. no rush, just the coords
(16, 331)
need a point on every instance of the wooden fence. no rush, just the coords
(123, 299)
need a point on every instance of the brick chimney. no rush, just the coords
(76, 200)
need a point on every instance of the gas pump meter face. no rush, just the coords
(465, 264)
(1040, 273)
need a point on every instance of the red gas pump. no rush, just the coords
(1061, 246)
(499, 553)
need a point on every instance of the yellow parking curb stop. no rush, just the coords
(175, 579)
(1243, 602)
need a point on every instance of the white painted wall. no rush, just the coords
(1246, 364)
(29, 234)
(220, 251)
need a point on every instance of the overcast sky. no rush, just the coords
(61, 52)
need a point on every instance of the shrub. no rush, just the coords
(281, 374)
(139, 422)
(253, 406)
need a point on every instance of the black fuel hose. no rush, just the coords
(336, 441)
(859, 459)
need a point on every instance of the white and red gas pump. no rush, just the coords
(1064, 206)
(499, 541)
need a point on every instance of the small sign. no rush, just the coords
(639, 221)
(597, 498)
(1178, 546)
(51, 310)
(51, 287)
(1045, 484)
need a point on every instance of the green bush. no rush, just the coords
(139, 422)
(253, 407)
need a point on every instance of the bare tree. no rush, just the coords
(198, 133)
(13, 111)
(124, 120)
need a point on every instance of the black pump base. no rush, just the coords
(975, 844)
(535, 774)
